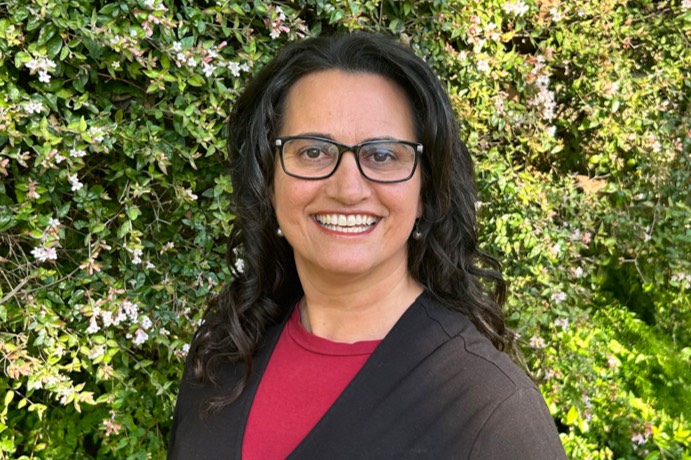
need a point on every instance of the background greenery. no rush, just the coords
(113, 201)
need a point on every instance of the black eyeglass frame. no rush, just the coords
(342, 148)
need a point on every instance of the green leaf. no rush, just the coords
(54, 47)
(572, 416)
(124, 229)
(46, 34)
(133, 212)
(196, 80)
(21, 58)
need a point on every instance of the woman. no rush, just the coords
(358, 324)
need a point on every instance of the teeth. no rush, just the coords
(351, 223)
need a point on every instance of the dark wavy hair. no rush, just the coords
(446, 260)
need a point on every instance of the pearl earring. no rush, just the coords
(417, 234)
(279, 232)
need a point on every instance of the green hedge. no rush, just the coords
(114, 201)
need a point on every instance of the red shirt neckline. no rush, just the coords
(316, 344)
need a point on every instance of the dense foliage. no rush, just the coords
(113, 201)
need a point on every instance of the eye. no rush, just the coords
(382, 154)
(379, 155)
(312, 152)
(318, 152)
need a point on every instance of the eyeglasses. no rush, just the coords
(314, 158)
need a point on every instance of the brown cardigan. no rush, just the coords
(435, 388)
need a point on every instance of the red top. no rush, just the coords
(304, 377)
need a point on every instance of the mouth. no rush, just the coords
(350, 223)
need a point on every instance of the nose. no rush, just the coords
(347, 184)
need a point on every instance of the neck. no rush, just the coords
(355, 308)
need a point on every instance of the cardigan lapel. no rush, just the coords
(343, 429)
(222, 434)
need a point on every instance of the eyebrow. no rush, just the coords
(331, 138)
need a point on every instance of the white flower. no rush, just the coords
(208, 69)
(149, 4)
(43, 76)
(136, 256)
(518, 8)
(556, 15)
(140, 337)
(33, 107)
(234, 68)
(177, 47)
(149, 265)
(686, 5)
(612, 362)
(53, 222)
(551, 131)
(76, 153)
(537, 342)
(96, 134)
(185, 348)
(544, 99)
(163, 331)
(558, 296)
(74, 181)
(131, 310)
(189, 194)
(578, 272)
(561, 322)
(483, 66)
(43, 254)
(499, 104)
(191, 62)
(638, 438)
(93, 326)
(119, 318)
(107, 318)
(41, 65)
(97, 351)
(145, 323)
(240, 265)
(542, 81)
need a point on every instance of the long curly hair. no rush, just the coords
(446, 260)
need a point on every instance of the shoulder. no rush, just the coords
(463, 347)
(479, 392)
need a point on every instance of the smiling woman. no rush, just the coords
(342, 271)
(360, 325)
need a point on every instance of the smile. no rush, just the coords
(351, 223)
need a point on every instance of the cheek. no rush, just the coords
(290, 196)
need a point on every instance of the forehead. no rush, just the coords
(347, 106)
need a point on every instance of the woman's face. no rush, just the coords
(346, 224)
